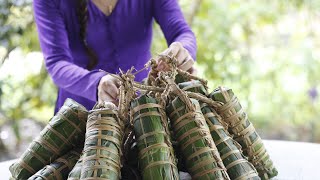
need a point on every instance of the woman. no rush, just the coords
(79, 37)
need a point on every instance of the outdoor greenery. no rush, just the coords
(268, 52)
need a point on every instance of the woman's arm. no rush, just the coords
(54, 44)
(170, 18)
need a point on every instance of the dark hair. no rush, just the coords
(82, 12)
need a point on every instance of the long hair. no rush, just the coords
(82, 13)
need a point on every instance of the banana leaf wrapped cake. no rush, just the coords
(75, 173)
(239, 125)
(59, 169)
(237, 165)
(156, 156)
(230, 151)
(102, 150)
(195, 142)
(64, 132)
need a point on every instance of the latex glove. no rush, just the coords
(108, 89)
(185, 61)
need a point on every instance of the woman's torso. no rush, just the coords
(120, 40)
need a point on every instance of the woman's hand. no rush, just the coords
(185, 61)
(108, 89)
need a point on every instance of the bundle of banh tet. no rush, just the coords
(167, 125)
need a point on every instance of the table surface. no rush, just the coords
(294, 160)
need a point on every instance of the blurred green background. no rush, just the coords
(267, 51)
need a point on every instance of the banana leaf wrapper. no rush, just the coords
(195, 142)
(64, 132)
(244, 133)
(102, 148)
(193, 86)
(236, 164)
(156, 156)
(180, 79)
(59, 169)
(128, 172)
(75, 173)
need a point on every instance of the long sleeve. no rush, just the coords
(168, 15)
(54, 44)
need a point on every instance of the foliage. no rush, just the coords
(265, 51)
(25, 92)
(17, 26)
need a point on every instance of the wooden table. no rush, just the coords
(294, 160)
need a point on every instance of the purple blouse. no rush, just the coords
(120, 40)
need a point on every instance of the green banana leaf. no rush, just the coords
(200, 154)
(156, 156)
(75, 173)
(193, 86)
(230, 151)
(236, 163)
(64, 132)
(59, 169)
(102, 148)
(244, 132)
